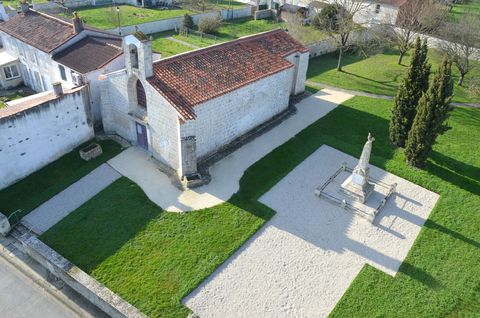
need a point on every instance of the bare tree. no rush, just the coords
(474, 88)
(462, 40)
(414, 17)
(341, 25)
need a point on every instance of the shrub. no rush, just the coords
(188, 21)
(327, 18)
(210, 25)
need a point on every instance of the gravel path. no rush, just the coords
(51, 212)
(303, 260)
(171, 38)
(371, 95)
(226, 173)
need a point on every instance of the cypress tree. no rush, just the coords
(431, 115)
(413, 85)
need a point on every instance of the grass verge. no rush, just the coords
(106, 17)
(30, 192)
(379, 73)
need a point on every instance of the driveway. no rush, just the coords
(22, 298)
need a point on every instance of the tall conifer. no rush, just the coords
(413, 85)
(431, 115)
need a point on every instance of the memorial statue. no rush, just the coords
(357, 185)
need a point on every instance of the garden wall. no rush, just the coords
(264, 14)
(321, 48)
(99, 295)
(171, 24)
(39, 129)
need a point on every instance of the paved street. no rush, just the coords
(21, 297)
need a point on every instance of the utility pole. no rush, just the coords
(118, 20)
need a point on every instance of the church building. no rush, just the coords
(185, 108)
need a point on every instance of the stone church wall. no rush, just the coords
(223, 119)
(162, 123)
(41, 132)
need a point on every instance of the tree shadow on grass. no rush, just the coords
(419, 275)
(455, 172)
(383, 83)
(435, 226)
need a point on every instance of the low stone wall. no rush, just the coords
(171, 24)
(38, 129)
(323, 47)
(102, 297)
(263, 14)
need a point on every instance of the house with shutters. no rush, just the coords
(41, 49)
(184, 108)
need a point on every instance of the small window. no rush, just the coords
(11, 71)
(63, 75)
(377, 9)
(141, 97)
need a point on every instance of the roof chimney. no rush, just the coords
(24, 6)
(57, 89)
(77, 23)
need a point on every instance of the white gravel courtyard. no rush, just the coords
(303, 260)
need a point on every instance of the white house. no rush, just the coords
(184, 108)
(48, 49)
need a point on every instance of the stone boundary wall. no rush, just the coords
(172, 24)
(38, 129)
(263, 14)
(99, 295)
(321, 48)
(329, 46)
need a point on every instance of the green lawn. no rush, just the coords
(378, 74)
(106, 17)
(153, 258)
(42, 185)
(231, 30)
(167, 47)
(472, 6)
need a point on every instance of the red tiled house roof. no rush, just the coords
(47, 33)
(39, 30)
(193, 78)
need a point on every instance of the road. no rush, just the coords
(20, 297)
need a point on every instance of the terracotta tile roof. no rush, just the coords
(90, 53)
(39, 30)
(193, 78)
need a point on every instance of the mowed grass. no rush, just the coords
(154, 258)
(379, 73)
(231, 30)
(167, 47)
(37, 188)
(106, 17)
(459, 9)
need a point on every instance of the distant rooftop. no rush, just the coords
(39, 30)
(90, 53)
